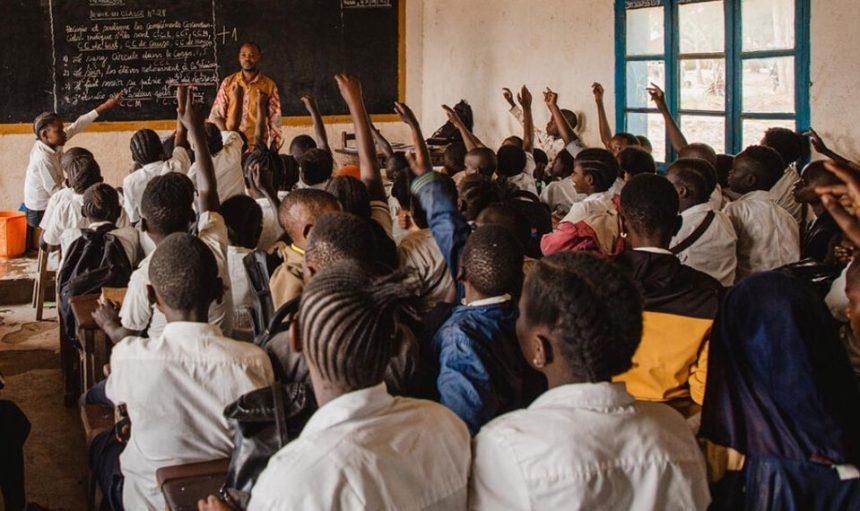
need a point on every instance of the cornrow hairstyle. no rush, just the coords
(608, 171)
(765, 162)
(635, 160)
(184, 273)
(213, 139)
(244, 219)
(301, 144)
(511, 160)
(352, 195)
(167, 203)
(316, 166)
(487, 160)
(347, 323)
(68, 157)
(591, 308)
(602, 174)
(786, 142)
(83, 171)
(649, 205)
(340, 236)
(101, 203)
(691, 173)
(146, 147)
(476, 192)
(628, 138)
(493, 261)
(43, 120)
(313, 203)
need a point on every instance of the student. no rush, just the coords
(797, 438)
(511, 169)
(768, 236)
(565, 128)
(670, 364)
(615, 143)
(64, 207)
(175, 386)
(816, 238)
(560, 194)
(304, 143)
(645, 143)
(585, 443)
(482, 161)
(454, 158)
(268, 165)
(244, 219)
(44, 175)
(474, 194)
(594, 173)
(634, 161)
(516, 223)
(790, 147)
(353, 197)
(706, 240)
(549, 139)
(226, 150)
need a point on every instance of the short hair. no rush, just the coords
(314, 202)
(566, 160)
(302, 144)
(146, 147)
(724, 165)
(571, 117)
(101, 203)
(628, 138)
(213, 138)
(645, 142)
(816, 173)
(591, 307)
(352, 195)
(43, 120)
(635, 160)
(244, 219)
(493, 261)
(487, 160)
(340, 236)
(692, 173)
(184, 273)
(699, 150)
(316, 166)
(476, 192)
(510, 218)
(395, 164)
(511, 160)
(81, 168)
(166, 203)
(601, 165)
(290, 178)
(513, 140)
(786, 142)
(649, 204)
(765, 163)
(250, 43)
(454, 157)
(267, 160)
(347, 323)
(540, 156)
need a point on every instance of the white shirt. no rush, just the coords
(560, 195)
(128, 238)
(588, 446)
(44, 175)
(369, 450)
(591, 205)
(616, 187)
(175, 388)
(419, 253)
(62, 212)
(768, 236)
(228, 167)
(550, 145)
(523, 181)
(240, 287)
(135, 183)
(716, 200)
(271, 227)
(782, 193)
(715, 252)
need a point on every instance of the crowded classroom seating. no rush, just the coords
(545, 321)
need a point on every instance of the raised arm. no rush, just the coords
(469, 138)
(180, 137)
(261, 182)
(822, 149)
(350, 89)
(109, 104)
(605, 130)
(525, 100)
(207, 190)
(319, 127)
(260, 128)
(422, 163)
(565, 130)
(381, 142)
(678, 140)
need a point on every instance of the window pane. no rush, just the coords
(768, 85)
(703, 84)
(754, 129)
(702, 27)
(706, 130)
(768, 24)
(640, 74)
(653, 127)
(645, 31)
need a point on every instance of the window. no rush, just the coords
(730, 69)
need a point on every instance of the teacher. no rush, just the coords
(240, 91)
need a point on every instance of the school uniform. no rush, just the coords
(768, 236)
(616, 187)
(63, 212)
(593, 204)
(419, 254)
(523, 181)
(715, 251)
(560, 195)
(783, 194)
(128, 237)
(240, 289)
(272, 230)
(588, 446)
(816, 239)
(175, 388)
(550, 145)
(228, 166)
(287, 281)
(716, 200)
(135, 183)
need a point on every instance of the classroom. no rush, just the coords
(429, 254)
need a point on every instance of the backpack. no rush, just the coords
(93, 261)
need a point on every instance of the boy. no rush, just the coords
(634, 161)
(549, 139)
(816, 240)
(768, 236)
(226, 150)
(790, 147)
(64, 207)
(560, 193)
(268, 165)
(511, 169)
(594, 173)
(706, 240)
(615, 143)
(244, 219)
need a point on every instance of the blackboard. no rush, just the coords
(68, 55)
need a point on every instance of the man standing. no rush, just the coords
(236, 101)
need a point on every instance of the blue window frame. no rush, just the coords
(729, 68)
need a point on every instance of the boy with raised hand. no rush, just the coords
(549, 138)
(617, 142)
(573, 144)
(816, 240)
(517, 164)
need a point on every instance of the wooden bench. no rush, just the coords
(95, 420)
(96, 345)
(183, 485)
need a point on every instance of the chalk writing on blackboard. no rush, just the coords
(364, 4)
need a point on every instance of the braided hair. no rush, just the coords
(82, 171)
(347, 323)
(591, 307)
(601, 165)
(146, 147)
(101, 203)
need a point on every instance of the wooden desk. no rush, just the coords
(96, 345)
(183, 485)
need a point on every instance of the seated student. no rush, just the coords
(724, 165)
(354, 198)
(148, 155)
(516, 223)
(270, 166)
(559, 193)
(481, 160)
(645, 143)
(511, 169)
(244, 220)
(64, 207)
(634, 161)
(706, 240)
(316, 167)
(304, 143)
(563, 125)
(585, 443)
(474, 193)
(226, 150)
(594, 173)
(175, 386)
(670, 364)
(768, 236)
(549, 139)
(454, 158)
(790, 147)
(297, 214)
(816, 238)
(617, 142)
(44, 175)
(797, 437)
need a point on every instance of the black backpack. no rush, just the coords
(93, 261)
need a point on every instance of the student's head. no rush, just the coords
(725, 162)
(551, 128)
(510, 161)
(352, 195)
(699, 150)
(48, 127)
(645, 142)
(301, 209)
(250, 56)
(514, 141)
(492, 263)
(301, 144)
(336, 237)
(561, 166)
(756, 168)
(649, 211)
(183, 276)
(165, 207)
(481, 160)
(786, 142)
(814, 174)
(291, 173)
(347, 324)
(476, 192)
(269, 162)
(454, 158)
(634, 161)
(213, 139)
(621, 140)
(101, 203)
(402, 192)
(594, 171)
(397, 163)
(511, 219)
(315, 167)
(687, 175)
(81, 169)
(146, 147)
(541, 161)
(580, 319)
(244, 219)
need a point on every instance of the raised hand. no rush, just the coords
(238, 94)
(597, 90)
(453, 116)
(109, 103)
(509, 96)
(406, 114)
(849, 223)
(349, 86)
(188, 114)
(525, 97)
(309, 103)
(657, 94)
(550, 97)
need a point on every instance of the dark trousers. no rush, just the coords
(104, 465)
(14, 428)
(34, 218)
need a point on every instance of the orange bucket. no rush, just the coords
(13, 234)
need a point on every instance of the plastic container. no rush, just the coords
(13, 234)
